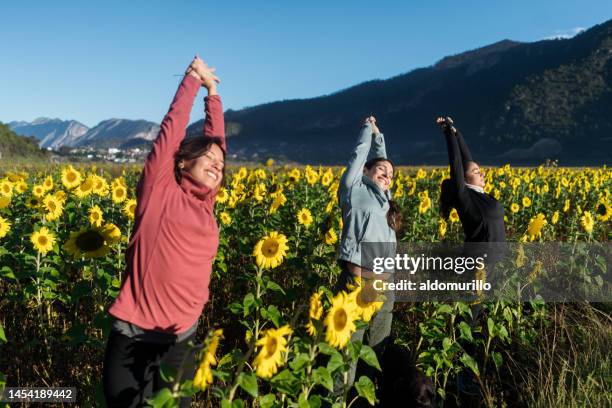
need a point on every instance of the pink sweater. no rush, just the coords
(175, 236)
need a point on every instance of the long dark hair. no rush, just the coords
(192, 148)
(394, 215)
(448, 198)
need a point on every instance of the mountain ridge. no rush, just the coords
(491, 93)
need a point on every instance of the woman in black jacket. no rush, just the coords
(481, 215)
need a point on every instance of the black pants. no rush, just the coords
(131, 369)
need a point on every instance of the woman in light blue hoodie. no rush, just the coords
(369, 216)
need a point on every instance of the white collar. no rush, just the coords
(475, 188)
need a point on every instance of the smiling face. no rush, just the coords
(207, 168)
(474, 176)
(381, 173)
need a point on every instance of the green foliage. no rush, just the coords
(13, 146)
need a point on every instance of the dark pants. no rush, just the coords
(132, 369)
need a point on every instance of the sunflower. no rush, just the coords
(425, 204)
(304, 217)
(33, 202)
(481, 275)
(48, 183)
(4, 201)
(270, 251)
(520, 256)
(21, 187)
(327, 177)
(534, 229)
(53, 206)
(587, 222)
(330, 237)
(514, 207)
(42, 240)
(241, 174)
(566, 205)
(555, 218)
(311, 175)
(95, 216)
(526, 201)
(112, 233)
(537, 268)
(129, 208)
(5, 227)
(222, 195)
(203, 375)
(71, 177)
(273, 345)
(226, 219)
(340, 320)
(279, 200)
(92, 242)
(61, 196)
(365, 309)
(259, 192)
(442, 226)
(294, 175)
(314, 312)
(603, 210)
(38, 190)
(119, 193)
(453, 216)
(6, 188)
(85, 188)
(100, 186)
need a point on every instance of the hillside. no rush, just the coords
(516, 102)
(13, 146)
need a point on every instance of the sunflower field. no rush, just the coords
(273, 334)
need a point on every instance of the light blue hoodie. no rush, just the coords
(364, 205)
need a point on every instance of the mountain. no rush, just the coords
(55, 133)
(119, 133)
(52, 133)
(515, 102)
(13, 146)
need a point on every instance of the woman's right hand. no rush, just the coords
(372, 121)
(205, 73)
(446, 123)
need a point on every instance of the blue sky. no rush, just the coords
(90, 62)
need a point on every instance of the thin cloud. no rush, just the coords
(565, 34)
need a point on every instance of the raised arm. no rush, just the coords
(378, 147)
(354, 169)
(159, 164)
(214, 124)
(466, 156)
(455, 160)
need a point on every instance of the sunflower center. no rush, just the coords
(90, 241)
(271, 346)
(270, 247)
(601, 209)
(340, 319)
(71, 177)
(42, 240)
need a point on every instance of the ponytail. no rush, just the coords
(394, 216)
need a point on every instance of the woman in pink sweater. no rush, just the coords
(171, 250)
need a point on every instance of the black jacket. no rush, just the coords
(481, 215)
